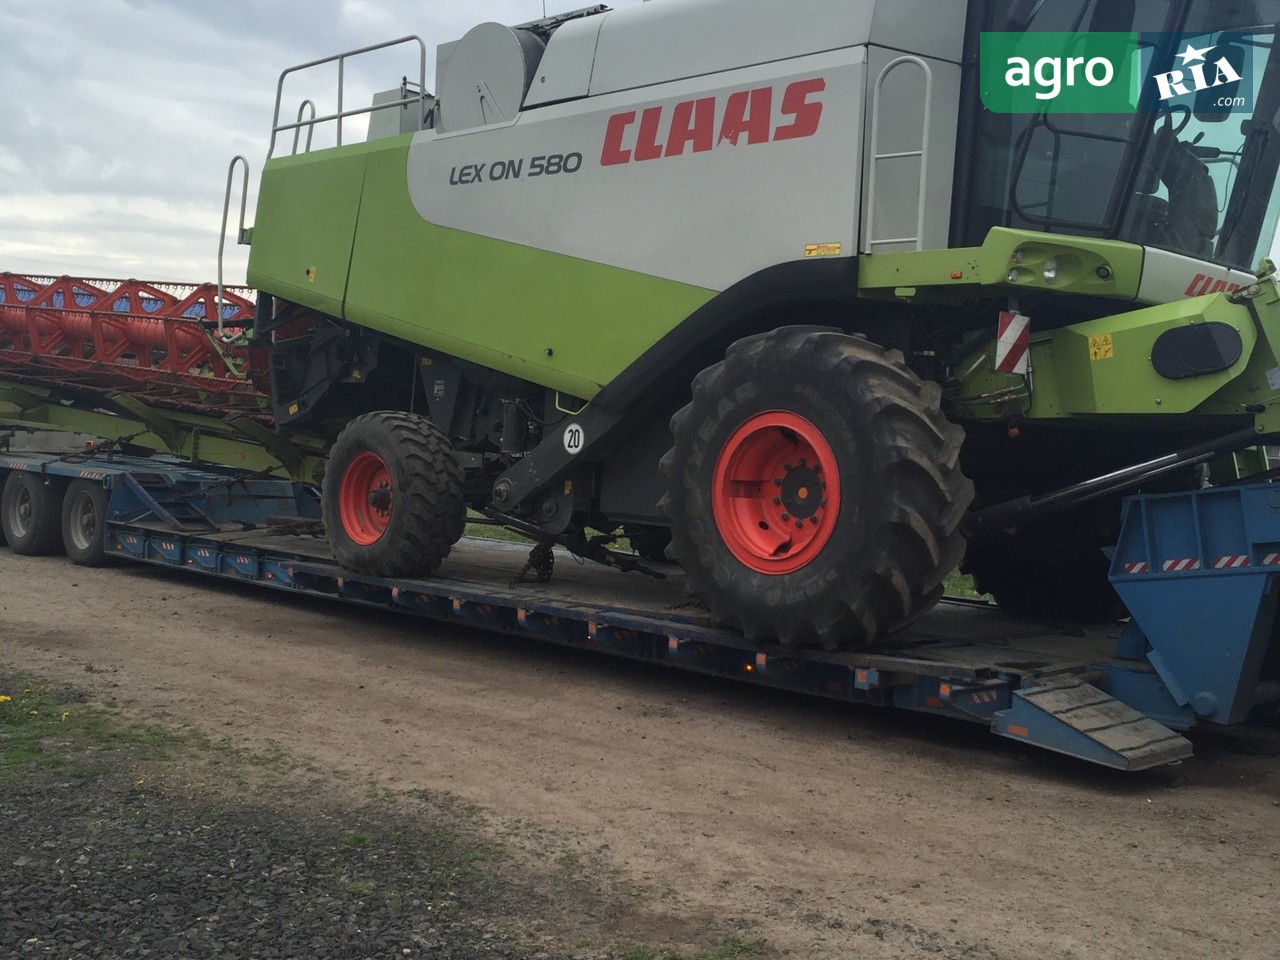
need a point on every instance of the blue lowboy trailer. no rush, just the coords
(1200, 573)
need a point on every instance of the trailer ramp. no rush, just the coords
(1067, 714)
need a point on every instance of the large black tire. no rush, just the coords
(84, 523)
(846, 569)
(30, 514)
(392, 497)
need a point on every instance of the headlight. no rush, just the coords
(1051, 272)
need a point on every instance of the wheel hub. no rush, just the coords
(776, 492)
(802, 491)
(22, 512)
(365, 498)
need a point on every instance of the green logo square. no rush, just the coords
(1061, 72)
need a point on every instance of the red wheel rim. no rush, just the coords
(776, 493)
(364, 498)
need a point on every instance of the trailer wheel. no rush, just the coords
(392, 497)
(30, 510)
(814, 490)
(84, 523)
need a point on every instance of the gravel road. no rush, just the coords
(675, 811)
(106, 866)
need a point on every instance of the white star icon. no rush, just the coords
(1191, 53)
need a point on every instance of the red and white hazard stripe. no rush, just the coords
(1140, 567)
(1270, 559)
(1177, 566)
(1231, 562)
(1013, 342)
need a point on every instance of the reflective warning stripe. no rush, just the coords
(1140, 567)
(1013, 341)
(1271, 558)
(1175, 566)
(1230, 562)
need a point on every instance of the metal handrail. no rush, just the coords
(341, 114)
(311, 127)
(240, 234)
(876, 156)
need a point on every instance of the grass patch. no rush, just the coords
(960, 585)
(51, 728)
(485, 854)
(356, 839)
(32, 717)
(491, 531)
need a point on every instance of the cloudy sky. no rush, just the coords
(118, 117)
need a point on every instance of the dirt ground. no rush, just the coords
(830, 831)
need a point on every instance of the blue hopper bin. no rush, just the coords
(1200, 574)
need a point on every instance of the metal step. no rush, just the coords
(1071, 716)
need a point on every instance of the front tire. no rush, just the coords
(814, 490)
(392, 496)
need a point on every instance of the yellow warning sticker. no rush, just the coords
(1101, 347)
(823, 249)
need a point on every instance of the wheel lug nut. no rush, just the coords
(777, 501)
(799, 524)
(786, 517)
(777, 481)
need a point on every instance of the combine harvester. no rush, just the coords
(796, 313)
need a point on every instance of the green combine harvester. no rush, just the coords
(765, 288)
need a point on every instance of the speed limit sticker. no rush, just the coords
(574, 438)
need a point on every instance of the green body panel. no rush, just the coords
(1010, 259)
(307, 209)
(566, 323)
(1103, 366)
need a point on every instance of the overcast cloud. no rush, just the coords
(118, 117)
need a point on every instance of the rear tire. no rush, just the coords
(392, 497)
(84, 523)
(814, 490)
(30, 514)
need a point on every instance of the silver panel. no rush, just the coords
(1171, 276)
(930, 29)
(674, 39)
(565, 70)
(486, 77)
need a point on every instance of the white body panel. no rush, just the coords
(705, 214)
(1171, 276)
(909, 159)
(703, 217)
